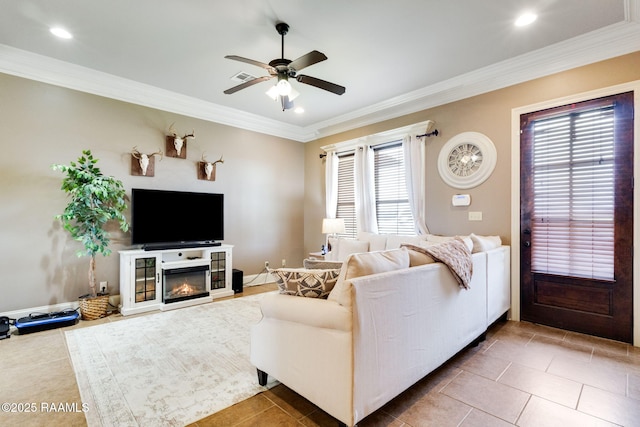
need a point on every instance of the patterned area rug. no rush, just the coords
(168, 368)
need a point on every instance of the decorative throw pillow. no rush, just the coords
(485, 243)
(305, 283)
(320, 264)
(363, 264)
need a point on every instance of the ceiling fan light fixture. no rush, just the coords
(273, 93)
(284, 87)
(293, 94)
(286, 102)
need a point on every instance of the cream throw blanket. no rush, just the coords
(454, 254)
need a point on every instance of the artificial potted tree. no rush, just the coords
(95, 200)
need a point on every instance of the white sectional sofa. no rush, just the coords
(377, 334)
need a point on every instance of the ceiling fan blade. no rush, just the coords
(247, 84)
(322, 84)
(310, 58)
(267, 67)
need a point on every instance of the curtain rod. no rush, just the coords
(435, 132)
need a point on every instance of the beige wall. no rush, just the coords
(489, 114)
(262, 180)
(274, 188)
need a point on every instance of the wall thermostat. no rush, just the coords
(461, 200)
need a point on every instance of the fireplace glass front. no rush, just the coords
(180, 284)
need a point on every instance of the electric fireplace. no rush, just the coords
(180, 284)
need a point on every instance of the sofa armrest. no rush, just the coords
(498, 282)
(315, 312)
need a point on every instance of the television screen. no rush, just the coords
(165, 219)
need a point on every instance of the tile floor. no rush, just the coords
(523, 374)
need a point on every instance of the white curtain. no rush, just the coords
(365, 190)
(331, 184)
(415, 178)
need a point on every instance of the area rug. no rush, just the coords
(168, 368)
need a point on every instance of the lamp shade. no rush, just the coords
(333, 225)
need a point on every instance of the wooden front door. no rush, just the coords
(576, 217)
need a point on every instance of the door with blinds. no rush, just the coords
(576, 217)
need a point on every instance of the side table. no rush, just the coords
(316, 255)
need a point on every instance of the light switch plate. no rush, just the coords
(475, 216)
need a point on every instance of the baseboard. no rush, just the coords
(17, 314)
(114, 300)
(258, 279)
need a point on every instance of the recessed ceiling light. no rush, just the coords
(299, 110)
(61, 32)
(525, 19)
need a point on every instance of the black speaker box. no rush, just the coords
(236, 281)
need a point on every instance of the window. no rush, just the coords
(392, 202)
(347, 194)
(573, 191)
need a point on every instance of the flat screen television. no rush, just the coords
(163, 219)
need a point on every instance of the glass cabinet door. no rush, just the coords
(218, 270)
(145, 276)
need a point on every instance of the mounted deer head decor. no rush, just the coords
(177, 145)
(143, 164)
(207, 170)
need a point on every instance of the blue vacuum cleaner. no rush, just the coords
(40, 322)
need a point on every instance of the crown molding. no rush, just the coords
(41, 68)
(616, 40)
(606, 43)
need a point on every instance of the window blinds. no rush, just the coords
(346, 194)
(392, 202)
(573, 178)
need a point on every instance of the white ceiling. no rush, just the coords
(394, 58)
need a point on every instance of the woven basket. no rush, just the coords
(94, 308)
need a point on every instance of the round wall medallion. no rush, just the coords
(467, 160)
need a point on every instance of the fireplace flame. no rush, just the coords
(183, 290)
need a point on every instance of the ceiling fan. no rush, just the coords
(282, 69)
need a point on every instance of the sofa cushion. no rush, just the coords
(347, 247)
(364, 264)
(484, 243)
(418, 255)
(342, 248)
(377, 242)
(305, 283)
(394, 241)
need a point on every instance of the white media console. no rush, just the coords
(166, 279)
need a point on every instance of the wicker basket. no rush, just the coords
(94, 308)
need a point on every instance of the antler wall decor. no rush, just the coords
(143, 164)
(176, 146)
(207, 170)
